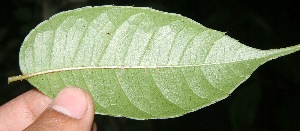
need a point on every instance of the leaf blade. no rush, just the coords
(138, 62)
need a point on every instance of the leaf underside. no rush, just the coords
(138, 63)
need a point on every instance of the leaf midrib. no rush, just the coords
(283, 52)
(26, 76)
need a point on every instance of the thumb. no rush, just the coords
(72, 109)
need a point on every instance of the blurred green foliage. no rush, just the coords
(269, 100)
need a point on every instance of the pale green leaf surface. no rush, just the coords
(138, 62)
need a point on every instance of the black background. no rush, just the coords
(267, 101)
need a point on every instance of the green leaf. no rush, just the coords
(136, 62)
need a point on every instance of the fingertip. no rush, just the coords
(71, 102)
(72, 109)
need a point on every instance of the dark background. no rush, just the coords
(267, 101)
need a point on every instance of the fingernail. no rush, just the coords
(71, 102)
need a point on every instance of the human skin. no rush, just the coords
(72, 109)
